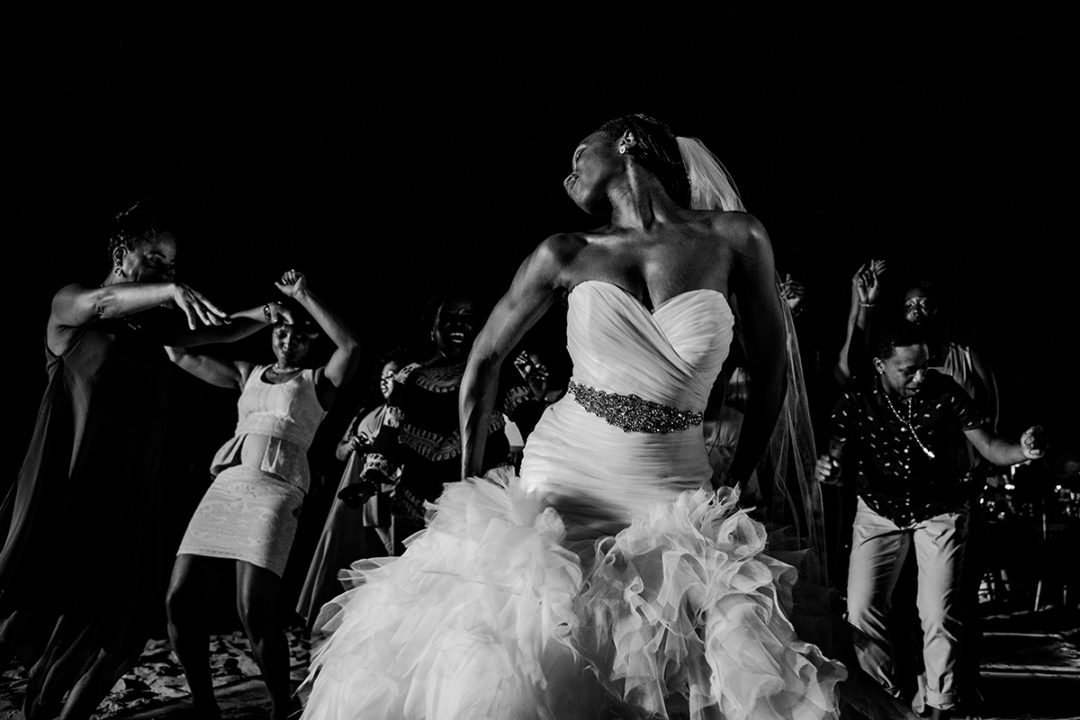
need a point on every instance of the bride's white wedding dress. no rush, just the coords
(606, 581)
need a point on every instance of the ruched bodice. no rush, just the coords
(670, 355)
(595, 472)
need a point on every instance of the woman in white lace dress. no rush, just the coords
(248, 515)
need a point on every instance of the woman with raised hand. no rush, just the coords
(80, 570)
(247, 519)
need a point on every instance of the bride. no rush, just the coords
(609, 579)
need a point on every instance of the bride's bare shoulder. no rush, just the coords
(560, 251)
(740, 230)
(563, 247)
(553, 259)
(734, 223)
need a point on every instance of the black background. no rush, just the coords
(389, 153)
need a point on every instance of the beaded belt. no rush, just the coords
(632, 413)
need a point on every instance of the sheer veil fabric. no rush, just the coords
(794, 497)
(794, 511)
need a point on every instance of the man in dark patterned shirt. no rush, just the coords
(897, 437)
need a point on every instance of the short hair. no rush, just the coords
(926, 287)
(895, 335)
(657, 150)
(432, 310)
(302, 320)
(397, 354)
(137, 224)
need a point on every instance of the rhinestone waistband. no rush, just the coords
(631, 413)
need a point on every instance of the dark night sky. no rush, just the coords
(390, 153)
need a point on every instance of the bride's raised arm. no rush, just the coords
(530, 295)
(753, 284)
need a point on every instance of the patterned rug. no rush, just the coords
(158, 680)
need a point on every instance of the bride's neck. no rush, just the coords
(638, 200)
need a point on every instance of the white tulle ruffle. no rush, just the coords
(682, 612)
(489, 615)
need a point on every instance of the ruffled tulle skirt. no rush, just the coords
(491, 614)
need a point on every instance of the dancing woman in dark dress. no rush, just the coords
(80, 574)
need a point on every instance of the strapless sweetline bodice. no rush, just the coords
(671, 355)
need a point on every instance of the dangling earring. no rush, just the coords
(622, 149)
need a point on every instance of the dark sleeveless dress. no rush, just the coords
(80, 568)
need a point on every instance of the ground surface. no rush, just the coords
(1030, 669)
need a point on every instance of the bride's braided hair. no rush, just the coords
(657, 150)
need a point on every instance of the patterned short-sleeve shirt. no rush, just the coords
(895, 472)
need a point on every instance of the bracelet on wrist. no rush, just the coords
(866, 304)
(266, 314)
